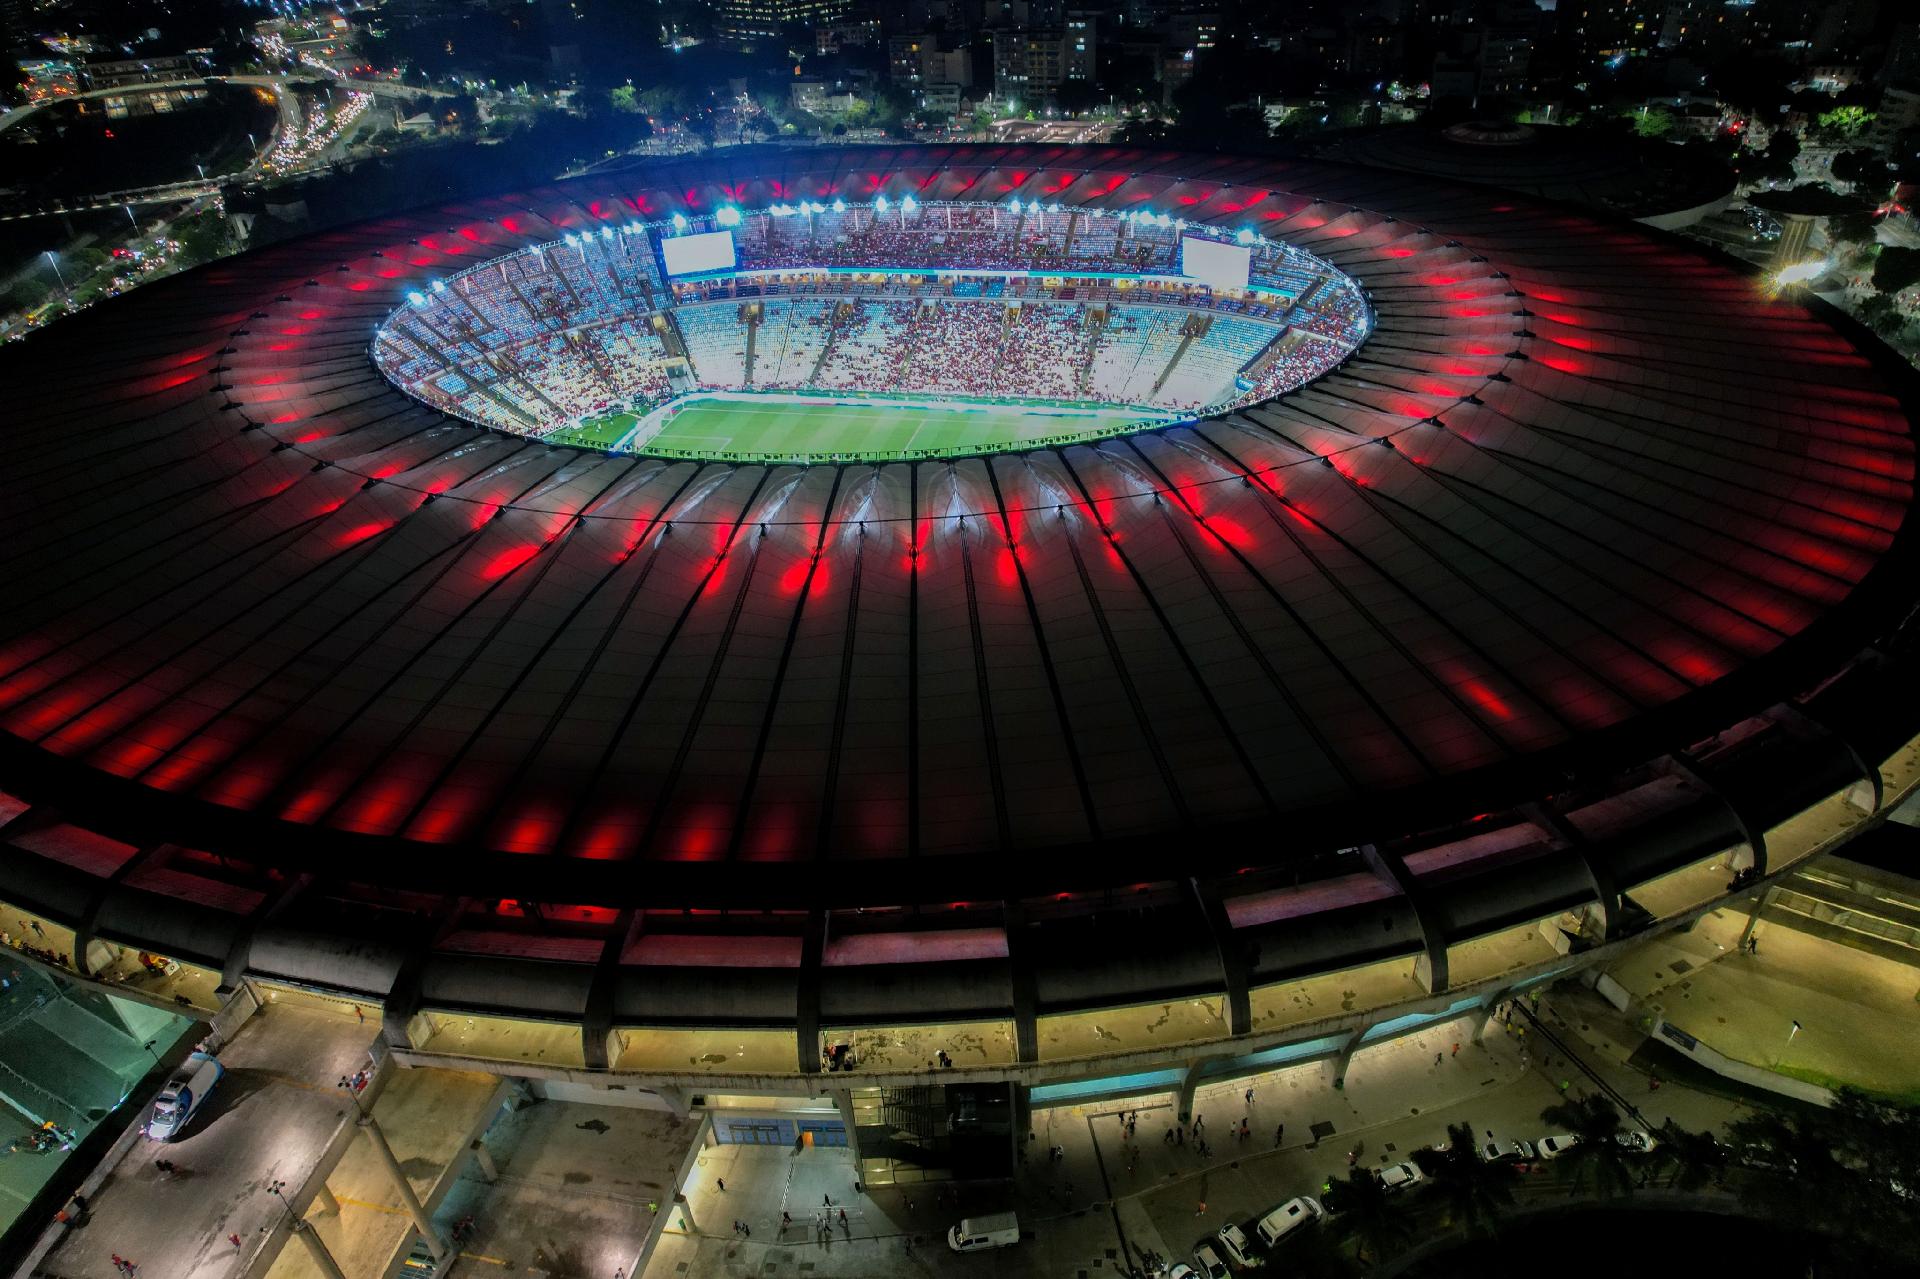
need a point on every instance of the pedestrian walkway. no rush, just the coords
(1097, 1199)
(574, 1191)
(1848, 1004)
(269, 1122)
(428, 1117)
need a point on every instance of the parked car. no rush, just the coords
(1287, 1218)
(1516, 1151)
(1181, 1270)
(1559, 1144)
(183, 1096)
(1400, 1176)
(976, 1234)
(1233, 1241)
(1638, 1140)
(1211, 1267)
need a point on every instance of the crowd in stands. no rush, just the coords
(542, 338)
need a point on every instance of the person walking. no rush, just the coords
(1249, 1096)
(1456, 1050)
(786, 1219)
(722, 1183)
(1279, 1135)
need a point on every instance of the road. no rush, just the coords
(278, 83)
(268, 1121)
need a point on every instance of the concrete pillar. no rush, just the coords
(686, 1214)
(317, 1250)
(421, 1222)
(324, 1197)
(1760, 903)
(843, 1102)
(1487, 1020)
(1345, 1057)
(1183, 1096)
(483, 1162)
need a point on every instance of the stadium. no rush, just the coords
(1119, 619)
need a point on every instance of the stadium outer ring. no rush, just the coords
(1842, 673)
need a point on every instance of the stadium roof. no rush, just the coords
(1584, 498)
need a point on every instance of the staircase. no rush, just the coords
(841, 310)
(750, 316)
(1196, 326)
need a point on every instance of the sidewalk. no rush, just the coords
(1849, 1004)
(1108, 1198)
(269, 1121)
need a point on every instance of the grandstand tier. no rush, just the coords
(945, 299)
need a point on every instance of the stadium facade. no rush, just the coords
(1573, 601)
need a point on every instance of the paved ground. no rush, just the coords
(427, 1116)
(573, 1193)
(1859, 1013)
(269, 1120)
(1107, 1196)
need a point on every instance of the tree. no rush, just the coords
(1476, 1192)
(1864, 169)
(1844, 123)
(1654, 122)
(1370, 1214)
(1858, 1161)
(624, 99)
(25, 294)
(1883, 315)
(1896, 269)
(1853, 227)
(1694, 1158)
(1597, 1159)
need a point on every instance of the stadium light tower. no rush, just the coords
(727, 216)
(879, 204)
(679, 221)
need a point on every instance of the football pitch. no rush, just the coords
(771, 427)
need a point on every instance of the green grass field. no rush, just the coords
(597, 433)
(772, 429)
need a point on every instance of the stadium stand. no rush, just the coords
(948, 299)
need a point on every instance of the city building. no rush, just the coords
(1028, 64)
(748, 22)
(127, 72)
(918, 61)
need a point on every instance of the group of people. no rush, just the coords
(824, 1223)
(544, 340)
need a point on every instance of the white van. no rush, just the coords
(1287, 1218)
(975, 1234)
(183, 1096)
